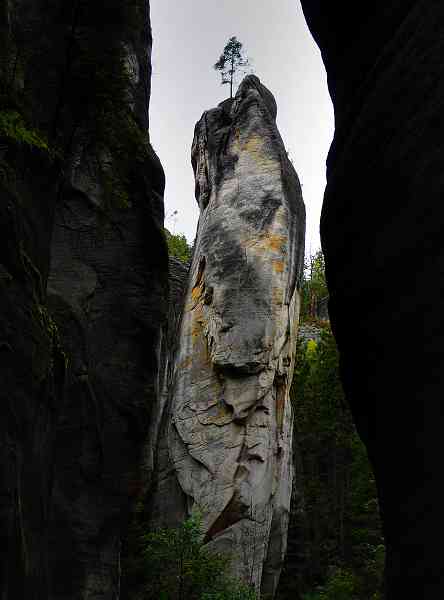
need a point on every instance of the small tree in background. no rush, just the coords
(314, 285)
(230, 61)
(178, 246)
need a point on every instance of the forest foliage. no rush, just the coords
(174, 564)
(178, 246)
(314, 287)
(336, 547)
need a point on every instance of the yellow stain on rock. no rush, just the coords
(196, 292)
(267, 241)
(278, 266)
(256, 147)
(277, 296)
(254, 144)
(199, 287)
(275, 242)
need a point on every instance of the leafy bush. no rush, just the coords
(178, 246)
(180, 567)
(342, 584)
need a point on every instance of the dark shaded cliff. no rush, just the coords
(382, 238)
(163, 503)
(81, 203)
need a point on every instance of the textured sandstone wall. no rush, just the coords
(381, 232)
(107, 291)
(32, 375)
(230, 433)
(166, 504)
(81, 354)
(32, 364)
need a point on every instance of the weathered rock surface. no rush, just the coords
(32, 365)
(80, 356)
(108, 295)
(382, 239)
(167, 504)
(230, 437)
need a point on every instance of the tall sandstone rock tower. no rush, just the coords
(230, 422)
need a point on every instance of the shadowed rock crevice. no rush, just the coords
(381, 230)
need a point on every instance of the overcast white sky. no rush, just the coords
(188, 39)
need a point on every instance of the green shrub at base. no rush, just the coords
(180, 567)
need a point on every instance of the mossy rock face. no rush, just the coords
(80, 186)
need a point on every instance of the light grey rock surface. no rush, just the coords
(230, 432)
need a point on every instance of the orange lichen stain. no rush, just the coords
(275, 242)
(199, 286)
(278, 266)
(267, 242)
(197, 292)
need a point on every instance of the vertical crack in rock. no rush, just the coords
(230, 441)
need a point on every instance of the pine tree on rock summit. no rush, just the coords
(230, 61)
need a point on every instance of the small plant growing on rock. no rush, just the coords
(230, 61)
(181, 568)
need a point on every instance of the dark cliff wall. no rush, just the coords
(163, 504)
(382, 238)
(166, 505)
(80, 355)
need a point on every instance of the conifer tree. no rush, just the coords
(230, 61)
